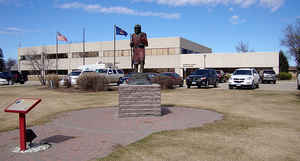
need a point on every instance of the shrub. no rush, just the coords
(285, 76)
(164, 82)
(53, 81)
(92, 81)
(227, 76)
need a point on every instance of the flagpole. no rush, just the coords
(83, 46)
(131, 48)
(56, 54)
(114, 45)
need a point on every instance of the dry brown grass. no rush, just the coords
(53, 102)
(257, 125)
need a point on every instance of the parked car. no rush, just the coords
(114, 75)
(298, 81)
(202, 77)
(221, 76)
(8, 77)
(175, 77)
(73, 76)
(151, 77)
(244, 78)
(19, 77)
(3, 81)
(268, 76)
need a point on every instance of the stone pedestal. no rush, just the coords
(139, 100)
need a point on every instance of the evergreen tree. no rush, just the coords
(283, 62)
(2, 63)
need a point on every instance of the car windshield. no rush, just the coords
(166, 74)
(242, 72)
(269, 72)
(120, 71)
(74, 73)
(200, 72)
(101, 70)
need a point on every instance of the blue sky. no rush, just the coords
(218, 24)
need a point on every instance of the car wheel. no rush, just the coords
(199, 86)
(188, 86)
(181, 85)
(10, 82)
(274, 82)
(253, 85)
(299, 87)
(230, 87)
(216, 84)
(257, 85)
(22, 82)
(206, 85)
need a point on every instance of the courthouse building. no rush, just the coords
(174, 54)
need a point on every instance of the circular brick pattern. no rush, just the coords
(93, 133)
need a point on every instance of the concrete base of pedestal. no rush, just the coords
(35, 147)
(139, 100)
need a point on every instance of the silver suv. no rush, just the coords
(114, 75)
(268, 76)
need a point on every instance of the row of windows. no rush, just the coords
(47, 56)
(157, 51)
(110, 53)
(85, 54)
(62, 55)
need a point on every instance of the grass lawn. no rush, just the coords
(257, 125)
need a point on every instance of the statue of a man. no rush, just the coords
(138, 42)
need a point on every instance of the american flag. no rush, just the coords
(61, 37)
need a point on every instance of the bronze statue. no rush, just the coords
(138, 42)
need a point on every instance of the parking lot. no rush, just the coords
(279, 86)
(260, 124)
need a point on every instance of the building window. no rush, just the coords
(187, 51)
(29, 57)
(85, 54)
(59, 56)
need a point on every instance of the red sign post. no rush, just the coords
(22, 106)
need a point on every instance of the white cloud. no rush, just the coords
(236, 20)
(117, 10)
(272, 4)
(11, 30)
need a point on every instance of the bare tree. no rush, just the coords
(242, 47)
(10, 63)
(39, 62)
(291, 40)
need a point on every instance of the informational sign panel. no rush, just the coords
(22, 105)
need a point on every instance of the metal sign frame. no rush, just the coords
(22, 117)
